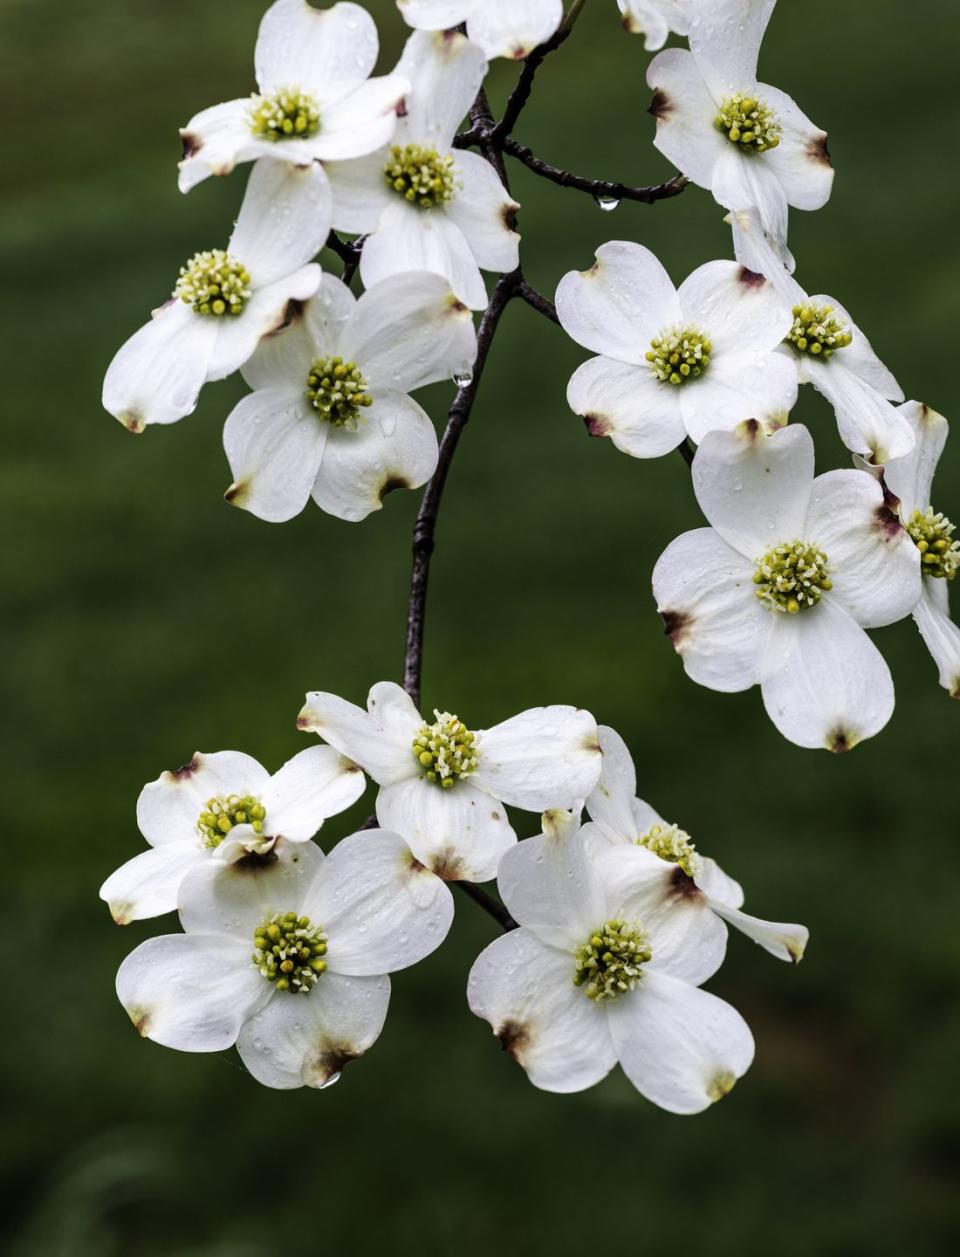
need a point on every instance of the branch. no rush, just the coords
(521, 93)
(599, 189)
(543, 305)
(488, 904)
(348, 251)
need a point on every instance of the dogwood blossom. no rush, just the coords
(911, 479)
(691, 884)
(444, 786)
(599, 973)
(316, 101)
(673, 362)
(655, 19)
(502, 28)
(779, 590)
(288, 957)
(330, 415)
(225, 301)
(422, 205)
(224, 807)
(745, 141)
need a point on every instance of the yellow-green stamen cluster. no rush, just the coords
(221, 814)
(289, 951)
(748, 123)
(285, 114)
(446, 750)
(678, 355)
(420, 175)
(792, 577)
(932, 533)
(816, 332)
(673, 844)
(337, 391)
(214, 283)
(611, 960)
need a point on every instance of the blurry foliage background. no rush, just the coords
(144, 618)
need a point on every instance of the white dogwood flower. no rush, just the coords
(655, 19)
(225, 301)
(598, 973)
(674, 362)
(223, 807)
(443, 786)
(690, 883)
(502, 28)
(422, 205)
(779, 590)
(330, 415)
(288, 958)
(745, 141)
(911, 479)
(316, 101)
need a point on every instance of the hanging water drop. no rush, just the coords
(607, 203)
(464, 378)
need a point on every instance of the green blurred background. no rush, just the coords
(144, 619)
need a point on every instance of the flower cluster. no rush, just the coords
(613, 916)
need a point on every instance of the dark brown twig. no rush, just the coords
(489, 904)
(599, 189)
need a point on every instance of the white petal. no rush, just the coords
(380, 908)
(685, 112)
(306, 1040)
(744, 181)
(393, 708)
(706, 595)
(687, 939)
(867, 422)
(434, 15)
(549, 884)
(274, 443)
(216, 140)
(824, 682)
(395, 447)
(410, 331)
(641, 416)
(190, 992)
(314, 785)
(728, 33)
(283, 358)
(801, 160)
(911, 477)
(941, 635)
(268, 311)
(233, 899)
(739, 388)
(169, 808)
(360, 192)
(754, 249)
(484, 211)
(681, 1047)
(504, 28)
(620, 304)
(785, 941)
(362, 122)
(721, 888)
(545, 757)
(385, 753)
(611, 803)
(549, 1026)
(156, 377)
(446, 71)
(460, 833)
(147, 885)
(654, 19)
(412, 239)
(755, 489)
(859, 357)
(284, 220)
(324, 51)
(873, 562)
(738, 310)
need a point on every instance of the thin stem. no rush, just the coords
(488, 903)
(543, 305)
(348, 251)
(599, 189)
(521, 93)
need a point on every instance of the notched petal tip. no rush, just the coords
(133, 421)
(448, 866)
(597, 425)
(682, 886)
(293, 312)
(192, 144)
(796, 948)
(720, 1085)
(887, 517)
(514, 1038)
(328, 1062)
(391, 484)
(122, 913)
(238, 493)
(185, 771)
(141, 1021)
(752, 279)
(661, 106)
(819, 151)
(841, 740)
(675, 625)
(508, 215)
(955, 688)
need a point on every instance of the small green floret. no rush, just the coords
(337, 391)
(678, 355)
(673, 844)
(221, 814)
(288, 113)
(289, 951)
(214, 283)
(446, 750)
(792, 577)
(748, 123)
(421, 176)
(817, 332)
(610, 962)
(933, 536)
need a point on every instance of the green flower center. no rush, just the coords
(611, 960)
(678, 355)
(214, 283)
(933, 535)
(338, 392)
(284, 114)
(420, 175)
(748, 123)
(446, 750)
(289, 951)
(221, 814)
(792, 577)
(672, 843)
(815, 331)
